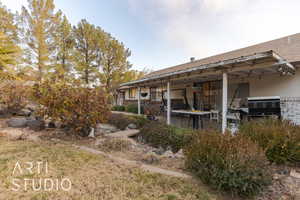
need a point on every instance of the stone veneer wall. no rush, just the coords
(290, 109)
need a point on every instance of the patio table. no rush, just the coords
(196, 115)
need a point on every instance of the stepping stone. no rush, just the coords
(126, 133)
(17, 122)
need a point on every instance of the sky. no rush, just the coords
(163, 33)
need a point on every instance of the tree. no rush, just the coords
(132, 75)
(114, 63)
(87, 38)
(38, 26)
(8, 25)
(64, 48)
(8, 54)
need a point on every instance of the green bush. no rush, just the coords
(118, 108)
(139, 121)
(121, 121)
(133, 108)
(279, 139)
(230, 163)
(161, 135)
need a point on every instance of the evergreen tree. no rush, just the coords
(114, 63)
(39, 23)
(8, 53)
(87, 51)
(8, 24)
(64, 48)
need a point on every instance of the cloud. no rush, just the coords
(204, 27)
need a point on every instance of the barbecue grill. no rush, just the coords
(264, 106)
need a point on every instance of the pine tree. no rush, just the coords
(64, 48)
(8, 54)
(87, 51)
(8, 24)
(114, 63)
(38, 26)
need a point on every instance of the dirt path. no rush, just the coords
(145, 167)
(25, 134)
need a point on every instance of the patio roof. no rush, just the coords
(256, 64)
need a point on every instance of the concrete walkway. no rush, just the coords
(127, 113)
(145, 167)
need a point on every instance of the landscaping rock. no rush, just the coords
(295, 174)
(17, 122)
(159, 151)
(132, 126)
(33, 138)
(32, 107)
(51, 125)
(12, 134)
(168, 154)
(151, 158)
(126, 133)
(105, 128)
(24, 112)
(58, 124)
(36, 125)
(92, 133)
(179, 154)
(285, 186)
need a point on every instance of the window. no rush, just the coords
(132, 93)
(153, 94)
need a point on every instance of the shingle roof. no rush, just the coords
(287, 47)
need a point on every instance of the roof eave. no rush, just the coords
(262, 55)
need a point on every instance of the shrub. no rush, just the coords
(152, 110)
(139, 121)
(13, 96)
(228, 163)
(77, 107)
(133, 108)
(116, 144)
(279, 139)
(121, 121)
(118, 108)
(161, 135)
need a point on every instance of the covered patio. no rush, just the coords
(260, 65)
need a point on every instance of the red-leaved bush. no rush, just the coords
(77, 107)
(13, 96)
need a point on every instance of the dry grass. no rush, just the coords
(115, 144)
(92, 176)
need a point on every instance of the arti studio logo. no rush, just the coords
(37, 184)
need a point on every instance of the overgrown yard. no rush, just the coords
(92, 176)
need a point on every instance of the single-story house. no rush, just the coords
(256, 81)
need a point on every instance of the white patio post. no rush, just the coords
(139, 100)
(168, 104)
(224, 110)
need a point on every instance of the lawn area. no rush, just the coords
(92, 176)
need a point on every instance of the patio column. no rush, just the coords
(168, 104)
(139, 100)
(224, 110)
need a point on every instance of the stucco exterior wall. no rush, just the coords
(276, 85)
